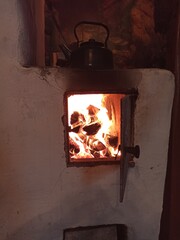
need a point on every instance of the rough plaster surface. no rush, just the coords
(39, 195)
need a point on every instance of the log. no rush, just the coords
(73, 147)
(75, 129)
(98, 146)
(95, 154)
(76, 118)
(92, 110)
(92, 129)
(113, 141)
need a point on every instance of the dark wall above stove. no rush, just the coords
(133, 38)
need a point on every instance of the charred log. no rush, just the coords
(77, 117)
(73, 147)
(92, 110)
(98, 146)
(113, 141)
(95, 154)
(75, 129)
(92, 129)
(74, 118)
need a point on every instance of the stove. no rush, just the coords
(107, 190)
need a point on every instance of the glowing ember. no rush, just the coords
(94, 125)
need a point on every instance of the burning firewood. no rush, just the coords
(75, 129)
(73, 147)
(92, 110)
(97, 146)
(76, 118)
(84, 155)
(92, 129)
(107, 153)
(95, 154)
(113, 141)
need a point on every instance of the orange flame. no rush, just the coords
(94, 130)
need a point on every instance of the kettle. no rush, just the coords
(91, 54)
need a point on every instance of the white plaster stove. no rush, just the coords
(93, 193)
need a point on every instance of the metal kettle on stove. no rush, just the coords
(90, 54)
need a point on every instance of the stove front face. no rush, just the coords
(121, 95)
(93, 127)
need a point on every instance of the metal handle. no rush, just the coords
(135, 151)
(92, 23)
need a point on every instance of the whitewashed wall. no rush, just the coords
(39, 195)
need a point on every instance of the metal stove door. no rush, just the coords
(127, 133)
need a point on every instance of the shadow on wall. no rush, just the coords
(39, 228)
(50, 225)
(27, 35)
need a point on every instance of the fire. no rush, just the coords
(92, 121)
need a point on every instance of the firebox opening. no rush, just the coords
(93, 127)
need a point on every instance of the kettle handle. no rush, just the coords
(92, 23)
